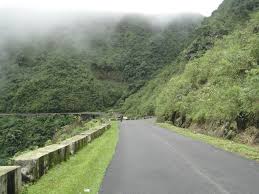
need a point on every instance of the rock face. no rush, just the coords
(10, 179)
(36, 163)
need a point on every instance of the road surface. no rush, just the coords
(153, 160)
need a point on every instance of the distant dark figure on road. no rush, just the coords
(121, 118)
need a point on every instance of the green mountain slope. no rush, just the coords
(225, 78)
(216, 82)
(87, 67)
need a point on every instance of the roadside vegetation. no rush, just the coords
(20, 133)
(84, 172)
(247, 151)
(223, 84)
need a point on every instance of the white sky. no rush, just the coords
(204, 7)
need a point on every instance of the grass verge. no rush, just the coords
(250, 152)
(84, 172)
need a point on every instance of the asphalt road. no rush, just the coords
(153, 160)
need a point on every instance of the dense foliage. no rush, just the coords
(21, 133)
(138, 49)
(225, 78)
(44, 79)
(222, 22)
(88, 67)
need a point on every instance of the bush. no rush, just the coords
(19, 133)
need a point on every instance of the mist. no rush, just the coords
(24, 25)
(77, 28)
(32, 37)
(78, 23)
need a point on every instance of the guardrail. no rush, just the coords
(30, 166)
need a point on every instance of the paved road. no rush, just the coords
(152, 160)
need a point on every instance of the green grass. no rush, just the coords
(85, 170)
(250, 152)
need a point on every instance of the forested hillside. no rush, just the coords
(75, 65)
(215, 86)
(87, 65)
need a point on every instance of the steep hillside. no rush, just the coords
(86, 65)
(138, 48)
(225, 78)
(216, 85)
(18, 133)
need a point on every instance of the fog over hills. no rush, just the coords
(123, 49)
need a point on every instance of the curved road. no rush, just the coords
(153, 160)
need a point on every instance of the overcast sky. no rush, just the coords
(204, 7)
